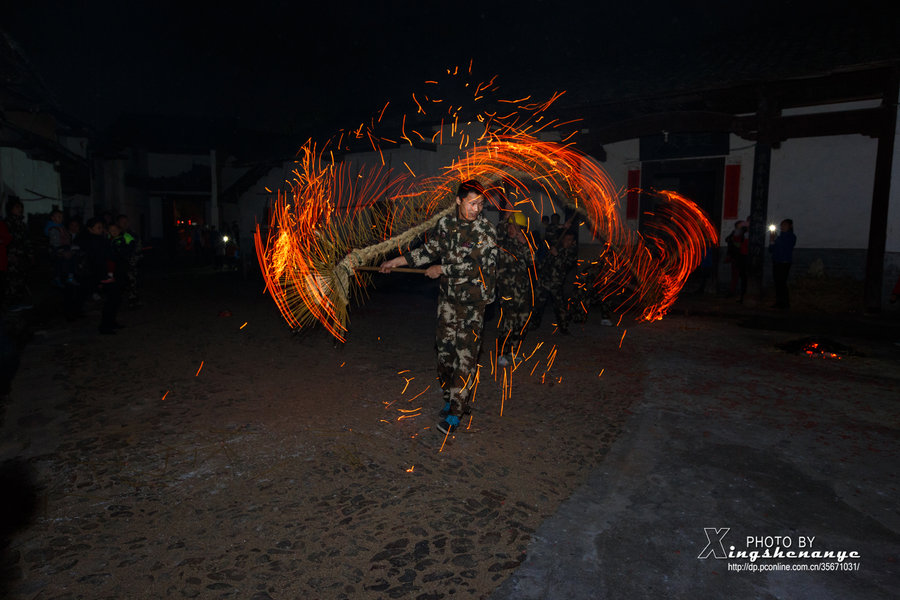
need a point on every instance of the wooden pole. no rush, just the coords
(881, 197)
(394, 270)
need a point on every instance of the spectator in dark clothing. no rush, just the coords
(92, 242)
(118, 251)
(100, 271)
(782, 249)
(738, 254)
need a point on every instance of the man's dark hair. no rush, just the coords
(790, 223)
(469, 187)
(11, 202)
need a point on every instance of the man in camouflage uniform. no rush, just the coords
(553, 230)
(553, 273)
(515, 267)
(465, 244)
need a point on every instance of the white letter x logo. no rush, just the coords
(710, 548)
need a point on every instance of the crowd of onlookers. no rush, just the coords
(93, 262)
(206, 245)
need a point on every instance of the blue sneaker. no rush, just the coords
(449, 424)
(445, 411)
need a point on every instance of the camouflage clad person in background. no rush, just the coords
(553, 230)
(585, 295)
(515, 266)
(553, 280)
(133, 257)
(465, 243)
(19, 256)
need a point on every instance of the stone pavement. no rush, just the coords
(743, 441)
(604, 486)
(207, 451)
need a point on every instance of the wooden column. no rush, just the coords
(881, 196)
(759, 194)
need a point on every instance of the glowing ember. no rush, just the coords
(818, 348)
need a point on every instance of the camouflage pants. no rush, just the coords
(555, 296)
(584, 298)
(458, 343)
(514, 317)
(131, 283)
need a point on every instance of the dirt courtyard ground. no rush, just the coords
(207, 451)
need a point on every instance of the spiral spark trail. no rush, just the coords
(337, 217)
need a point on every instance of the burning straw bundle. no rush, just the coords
(335, 222)
(331, 223)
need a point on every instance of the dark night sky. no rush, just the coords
(284, 65)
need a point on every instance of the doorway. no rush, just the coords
(700, 180)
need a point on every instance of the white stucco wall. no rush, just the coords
(741, 153)
(35, 182)
(893, 232)
(825, 185)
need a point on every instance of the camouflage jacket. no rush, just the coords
(554, 268)
(467, 252)
(514, 261)
(552, 233)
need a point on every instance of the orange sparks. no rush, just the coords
(164, 396)
(417, 104)
(411, 468)
(198, 370)
(622, 338)
(441, 449)
(428, 387)
(335, 209)
(244, 325)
